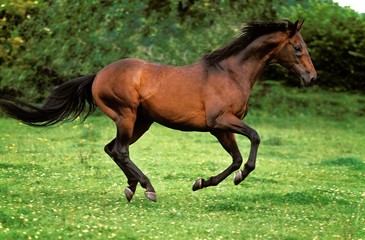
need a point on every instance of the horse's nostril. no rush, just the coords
(313, 79)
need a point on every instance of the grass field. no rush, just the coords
(309, 182)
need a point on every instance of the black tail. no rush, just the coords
(66, 102)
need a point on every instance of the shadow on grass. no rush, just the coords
(243, 202)
(22, 167)
(350, 163)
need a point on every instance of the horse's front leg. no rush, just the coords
(230, 122)
(228, 142)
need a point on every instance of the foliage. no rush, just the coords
(68, 42)
(308, 183)
(12, 14)
(63, 44)
(336, 40)
(45, 43)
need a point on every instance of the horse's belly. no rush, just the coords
(184, 123)
(186, 117)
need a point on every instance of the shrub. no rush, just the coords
(45, 43)
(65, 39)
(336, 40)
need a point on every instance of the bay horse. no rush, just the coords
(210, 95)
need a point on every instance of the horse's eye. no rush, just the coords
(297, 48)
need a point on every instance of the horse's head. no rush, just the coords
(293, 55)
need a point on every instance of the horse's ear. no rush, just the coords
(299, 26)
(294, 29)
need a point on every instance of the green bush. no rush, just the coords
(336, 40)
(65, 39)
(45, 43)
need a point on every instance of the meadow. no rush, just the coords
(58, 183)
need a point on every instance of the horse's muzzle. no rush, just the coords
(309, 79)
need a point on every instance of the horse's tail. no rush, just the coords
(66, 103)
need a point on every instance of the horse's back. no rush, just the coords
(172, 96)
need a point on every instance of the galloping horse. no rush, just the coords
(210, 95)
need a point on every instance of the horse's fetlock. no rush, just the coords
(237, 164)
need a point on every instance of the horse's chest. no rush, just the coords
(240, 111)
(239, 104)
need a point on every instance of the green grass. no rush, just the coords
(308, 184)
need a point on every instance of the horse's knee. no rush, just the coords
(255, 138)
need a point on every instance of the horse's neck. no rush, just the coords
(251, 61)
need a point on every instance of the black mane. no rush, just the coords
(248, 33)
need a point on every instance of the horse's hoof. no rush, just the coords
(128, 194)
(151, 196)
(238, 178)
(198, 184)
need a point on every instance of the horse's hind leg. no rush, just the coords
(228, 141)
(118, 149)
(123, 157)
(132, 181)
(140, 127)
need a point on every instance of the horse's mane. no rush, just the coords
(248, 33)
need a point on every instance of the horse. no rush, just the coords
(209, 95)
